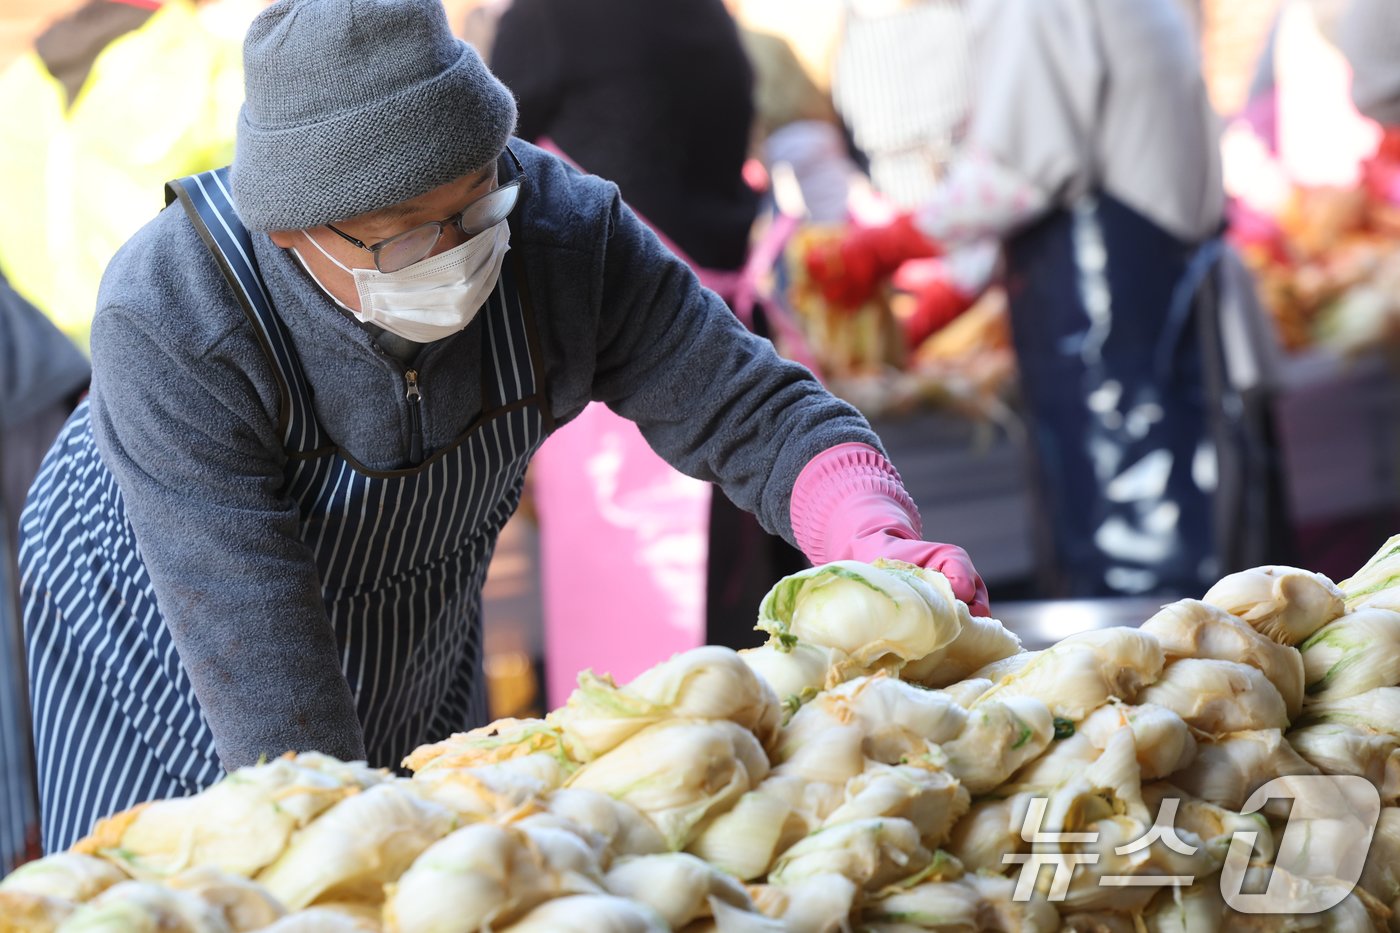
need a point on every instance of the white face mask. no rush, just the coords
(435, 297)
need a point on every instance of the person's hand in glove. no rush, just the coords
(850, 270)
(849, 504)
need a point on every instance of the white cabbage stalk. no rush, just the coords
(1353, 915)
(357, 846)
(1377, 709)
(1377, 583)
(1229, 768)
(885, 613)
(590, 913)
(1218, 697)
(622, 828)
(1006, 667)
(832, 754)
(797, 671)
(710, 682)
(1381, 876)
(142, 907)
(730, 919)
(1356, 653)
(991, 829)
(820, 904)
(1164, 741)
(896, 720)
(1336, 748)
(485, 874)
(1285, 603)
(1199, 908)
(764, 822)
(1061, 762)
(23, 912)
(323, 920)
(872, 853)
(1098, 921)
(501, 740)
(245, 905)
(678, 773)
(1000, 912)
(1083, 671)
(486, 791)
(951, 906)
(65, 876)
(965, 692)
(1000, 736)
(1190, 628)
(241, 824)
(980, 642)
(1211, 826)
(931, 799)
(677, 885)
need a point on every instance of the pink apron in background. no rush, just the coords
(623, 534)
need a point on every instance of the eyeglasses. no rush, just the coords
(404, 249)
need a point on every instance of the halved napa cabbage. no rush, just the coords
(1228, 768)
(896, 720)
(1083, 671)
(245, 905)
(357, 846)
(980, 641)
(930, 798)
(1218, 697)
(590, 913)
(678, 773)
(677, 885)
(67, 876)
(1285, 603)
(241, 824)
(501, 740)
(886, 613)
(999, 737)
(487, 875)
(142, 907)
(871, 853)
(1190, 628)
(1358, 652)
(710, 682)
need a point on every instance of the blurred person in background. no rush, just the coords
(1091, 157)
(114, 99)
(318, 380)
(657, 98)
(41, 375)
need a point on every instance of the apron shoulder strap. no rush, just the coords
(209, 206)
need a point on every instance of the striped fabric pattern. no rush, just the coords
(18, 810)
(402, 556)
(902, 83)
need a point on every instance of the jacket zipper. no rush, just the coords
(415, 415)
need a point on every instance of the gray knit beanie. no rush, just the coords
(354, 105)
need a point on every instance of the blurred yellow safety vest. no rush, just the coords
(76, 182)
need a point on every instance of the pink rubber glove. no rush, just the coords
(850, 504)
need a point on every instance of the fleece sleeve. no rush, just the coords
(195, 450)
(710, 397)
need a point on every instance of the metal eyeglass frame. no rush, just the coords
(455, 218)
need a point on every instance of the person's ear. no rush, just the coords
(282, 238)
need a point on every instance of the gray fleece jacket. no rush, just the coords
(185, 412)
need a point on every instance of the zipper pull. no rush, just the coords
(415, 398)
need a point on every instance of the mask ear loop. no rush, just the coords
(358, 315)
(322, 249)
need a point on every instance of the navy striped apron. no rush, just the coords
(402, 556)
